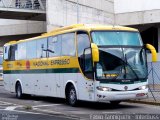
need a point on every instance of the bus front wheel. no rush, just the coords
(19, 94)
(72, 96)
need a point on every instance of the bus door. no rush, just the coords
(85, 78)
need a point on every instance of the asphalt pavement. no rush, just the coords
(16, 115)
(40, 108)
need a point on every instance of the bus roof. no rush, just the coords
(75, 27)
(93, 27)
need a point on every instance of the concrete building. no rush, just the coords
(66, 12)
(21, 19)
(141, 14)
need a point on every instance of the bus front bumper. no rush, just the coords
(103, 96)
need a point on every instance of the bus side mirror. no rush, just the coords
(153, 51)
(95, 52)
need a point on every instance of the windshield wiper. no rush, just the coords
(126, 62)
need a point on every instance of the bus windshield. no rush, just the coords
(116, 38)
(122, 56)
(114, 65)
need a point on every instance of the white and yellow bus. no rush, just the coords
(95, 63)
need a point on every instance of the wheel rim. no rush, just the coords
(72, 96)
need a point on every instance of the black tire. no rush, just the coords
(114, 103)
(71, 96)
(19, 94)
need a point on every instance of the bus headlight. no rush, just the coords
(100, 88)
(143, 87)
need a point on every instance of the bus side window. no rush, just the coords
(85, 61)
(6, 52)
(68, 44)
(54, 46)
(31, 50)
(22, 51)
(42, 48)
(13, 53)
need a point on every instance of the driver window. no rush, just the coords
(84, 54)
(82, 42)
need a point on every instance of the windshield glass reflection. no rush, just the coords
(121, 63)
(116, 38)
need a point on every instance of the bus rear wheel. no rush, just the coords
(71, 96)
(19, 94)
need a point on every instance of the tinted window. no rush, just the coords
(31, 50)
(88, 60)
(13, 52)
(82, 42)
(21, 51)
(84, 54)
(54, 46)
(68, 44)
(6, 52)
(42, 48)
